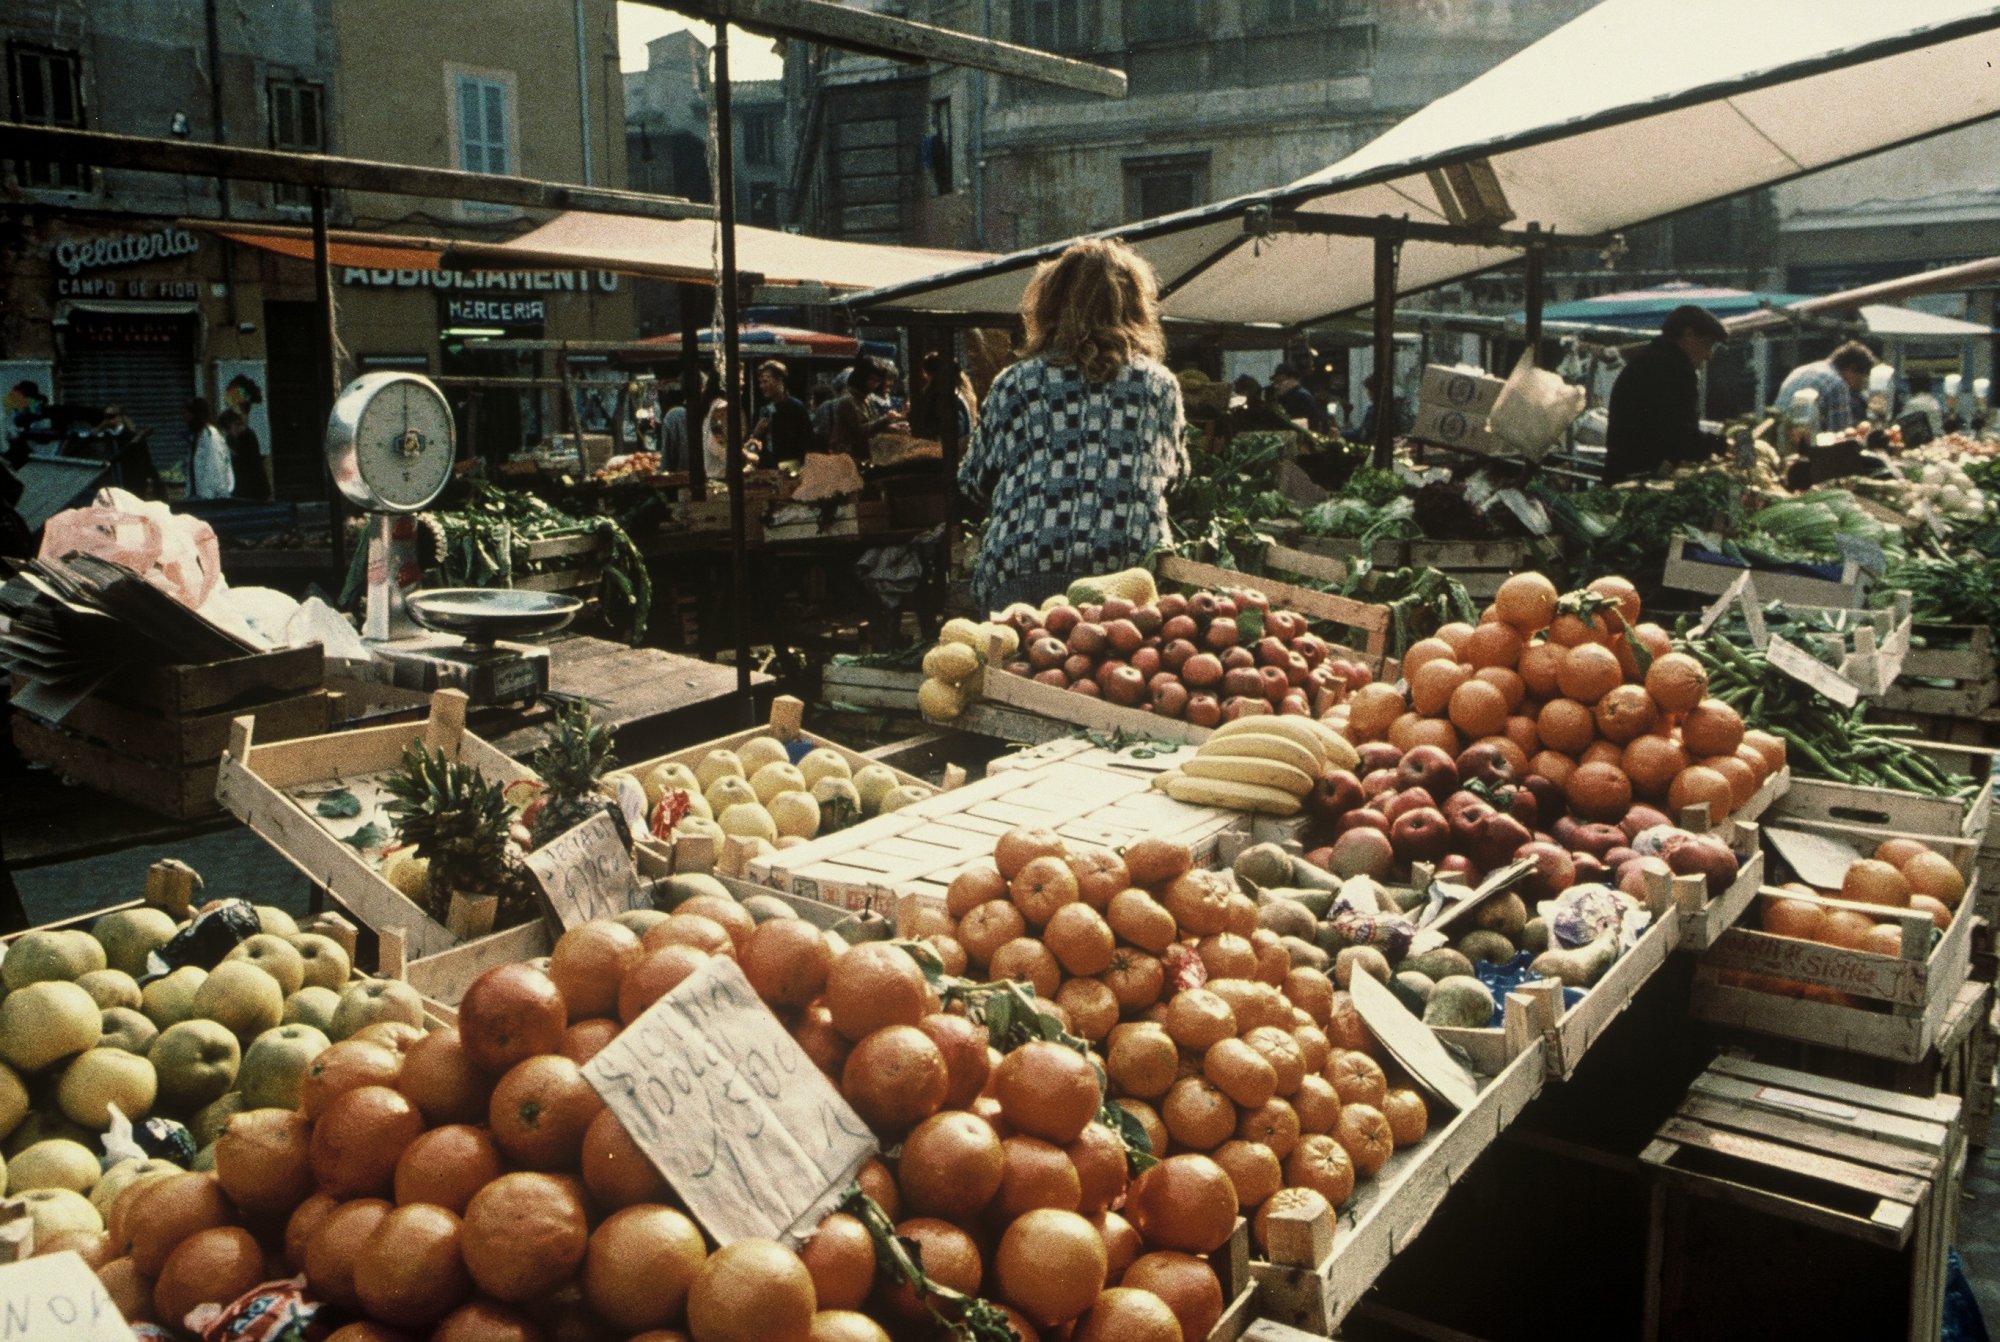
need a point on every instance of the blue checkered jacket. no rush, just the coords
(1074, 474)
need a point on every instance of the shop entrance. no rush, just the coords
(140, 360)
(492, 397)
(298, 466)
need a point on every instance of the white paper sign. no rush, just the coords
(730, 1110)
(1732, 596)
(1808, 670)
(586, 873)
(1413, 1045)
(57, 1298)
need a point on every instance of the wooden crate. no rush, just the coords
(1690, 575)
(198, 738)
(1479, 566)
(1319, 1275)
(185, 691)
(1762, 1170)
(1704, 920)
(1910, 812)
(1967, 665)
(871, 687)
(179, 792)
(1373, 620)
(256, 782)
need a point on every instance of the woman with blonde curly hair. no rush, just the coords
(1078, 442)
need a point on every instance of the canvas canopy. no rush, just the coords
(1635, 110)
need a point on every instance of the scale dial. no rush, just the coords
(391, 442)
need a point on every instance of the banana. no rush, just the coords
(1234, 796)
(1249, 769)
(1303, 730)
(1263, 745)
(1340, 752)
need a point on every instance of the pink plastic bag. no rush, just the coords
(177, 554)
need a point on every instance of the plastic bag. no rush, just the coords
(1534, 409)
(177, 554)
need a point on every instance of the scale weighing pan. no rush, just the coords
(484, 615)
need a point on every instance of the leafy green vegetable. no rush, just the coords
(1227, 495)
(341, 805)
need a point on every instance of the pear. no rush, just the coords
(312, 1006)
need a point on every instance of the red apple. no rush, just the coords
(1124, 685)
(1060, 620)
(1361, 852)
(1420, 835)
(1204, 710)
(1170, 699)
(1335, 793)
(1365, 818)
(1221, 633)
(1087, 688)
(1202, 671)
(1123, 636)
(1554, 871)
(1147, 661)
(1180, 626)
(1242, 680)
(1177, 653)
(1432, 770)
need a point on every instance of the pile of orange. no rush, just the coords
(1554, 682)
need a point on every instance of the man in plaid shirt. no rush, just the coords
(1839, 379)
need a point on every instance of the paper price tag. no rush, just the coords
(1732, 596)
(586, 873)
(730, 1110)
(1864, 553)
(1808, 670)
(57, 1298)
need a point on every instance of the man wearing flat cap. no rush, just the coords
(1654, 414)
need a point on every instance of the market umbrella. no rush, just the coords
(779, 341)
(1631, 112)
(1645, 309)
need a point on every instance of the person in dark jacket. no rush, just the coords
(1654, 413)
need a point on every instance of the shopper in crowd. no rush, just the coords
(1080, 441)
(125, 443)
(210, 472)
(857, 415)
(1363, 430)
(1921, 402)
(822, 401)
(673, 430)
(715, 442)
(28, 422)
(939, 399)
(1294, 401)
(783, 432)
(1655, 410)
(1841, 379)
(246, 454)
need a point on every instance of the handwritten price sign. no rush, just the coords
(585, 873)
(58, 1298)
(752, 1136)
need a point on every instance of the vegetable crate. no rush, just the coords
(1479, 566)
(1691, 575)
(1764, 1169)
(1884, 1006)
(1536, 1012)
(1923, 816)
(1317, 1273)
(267, 787)
(1958, 666)
(1704, 919)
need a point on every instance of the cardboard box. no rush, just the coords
(1460, 430)
(1465, 390)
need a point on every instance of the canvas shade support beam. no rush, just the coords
(326, 351)
(735, 411)
(697, 413)
(1532, 297)
(1260, 220)
(1388, 251)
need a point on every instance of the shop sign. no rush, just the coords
(493, 312)
(96, 286)
(544, 281)
(76, 255)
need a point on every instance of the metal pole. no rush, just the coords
(732, 419)
(325, 350)
(1388, 250)
(583, 88)
(1534, 259)
(697, 413)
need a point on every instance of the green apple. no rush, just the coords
(275, 1063)
(196, 1061)
(327, 964)
(55, 1210)
(53, 1164)
(43, 1125)
(241, 996)
(111, 988)
(276, 957)
(170, 1000)
(40, 957)
(130, 935)
(377, 1000)
(275, 921)
(127, 1029)
(45, 1022)
(312, 1006)
(104, 1077)
(13, 1101)
(123, 1175)
(208, 1124)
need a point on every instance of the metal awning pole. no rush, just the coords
(693, 300)
(327, 362)
(732, 377)
(1533, 259)
(1388, 250)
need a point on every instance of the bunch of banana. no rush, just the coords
(1265, 763)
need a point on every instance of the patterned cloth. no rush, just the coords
(1074, 474)
(1839, 407)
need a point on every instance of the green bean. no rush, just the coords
(1812, 756)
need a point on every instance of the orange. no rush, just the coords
(299, 1229)
(92, 1246)
(486, 1321)
(1436, 732)
(1694, 786)
(873, 985)
(1035, 1173)
(1599, 792)
(1760, 767)
(1742, 778)
(1526, 601)
(128, 1289)
(1026, 958)
(1092, 1007)
(1652, 638)
(1225, 955)
(1574, 631)
(1625, 713)
(1316, 1105)
(210, 1266)
(1871, 882)
(1047, 1090)
(1050, 1265)
(166, 1211)
(1800, 918)
(1590, 672)
(1898, 852)
(1508, 682)
(1240, 1072)
(951, 1166)
(587, 963)
(1477, 707)
(510, 1012)
(1135, 978)
(841, 1257)
(524, 1234)
(951, 1259)
(1100, 874)
(411, 1273)
(989, 927)
(358, 1140)
(1185, 1202)
(1883, 939)
(1253, 1170)
(1402, 732)
(1409, 1117)
(586, 1039)
(1432, 684)
(880, 1185)
(1934, 876)
(1621, 591)
(335, 1247)
(1079, 937)
(1846, 928)
(1494, 645)
(1457, 635)
(1143, 1060)
(639, 1266)
(1372, 708)
(1939, 911)
(1540, 668)
(966, 1055)
(1363, 1132)
(446, 1167)
(263, 1162)
(343, 1067)
(1677, 682)
(1322, 1164)
(1099, 1157)
(1552, 765)
(755, 1290)
(615, 1170)
(1566, 726)
(1712, 728)
(1274, 1123)
(839, 1325)
(657, 973)
(1309, 991)
(691, 929)
(895, 1078)
(1125, 1314)
(1153, 862)
(1198, 1114)
(540, 1111)
(441, 1081)
(1018, 847)
(974, 885)
(1358, 1079)
(724, 910)
(1602, 752)
(1042, 887)
(787, 960)
(1187, 1284)
(1427, 650)
(1652, 762)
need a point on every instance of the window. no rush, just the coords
(1151, 21)
(1053, 25)
(46, 88)
(298, 123)
(760, 138)
(763, 205)
(482, 125)
(1157, 186)
(938, 148)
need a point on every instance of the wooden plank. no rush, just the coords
(1793, 1160)
(1322, 605)
(999, 687)
(443, 976)
(185, 792)
(1942, 1111)
(1876, 1125)
(1777, 1126)
(184, 690)
(1762, 1200)
(198, 739)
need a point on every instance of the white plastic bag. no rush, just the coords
(1534, 409)
(177, 554)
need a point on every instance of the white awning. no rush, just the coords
(1896, 323)
(1635, 110)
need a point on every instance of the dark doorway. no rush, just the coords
(298, 462)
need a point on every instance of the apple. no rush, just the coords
(1564, 831)
(1237, 706)
(45, 1022)
(1021, 669)
(1379, 782)
(1181, 627)
(196, 1061)
(101, 1078)
(1297, 671)
(1704, 856)
(1124, 685)
(1550, 803)
(275, 921)
(57, 1211)
(1225, 607)
(1202, 671)
(1642, 818)
(1249, 598)
(1596, 839)
(1238, 659)
(1053, 676)
(1618, 857)
(128, 1172)
(1077, 667)
(1086, 687)
(1407, 799)
(378, 1000)
(1088, 638)
(1378, 755)
(313, 1005)
(241, 996)
(1631, 875)
(1465, 821)
(1320, 857)
(1242, 681)
(1276, 683)
(1149, 620)
(1459, 866)
(1484, 763)
(1271, 651)
(1171, 699)
(1496, 839)
(1147, 662)
(275, 1064)
(276, 957)
(1335, 793)
(1311, 647)
(1361, 852)
(130, 935)
(1554, 871)
(1204, 710)
(1429, 768)
(1221, 633)
(1176, 653)
(1365, 818)
(44, 957)
(1116, 608)
(1124, 636)
(1420, 835)
(1059, 620)
(1286, 624)
(122, 1027)
(111, 988)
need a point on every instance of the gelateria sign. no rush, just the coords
(105, 252)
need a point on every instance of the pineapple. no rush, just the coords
(458, 821)
(571, 761)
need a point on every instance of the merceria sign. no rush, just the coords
(546, 281)
(124, 249)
